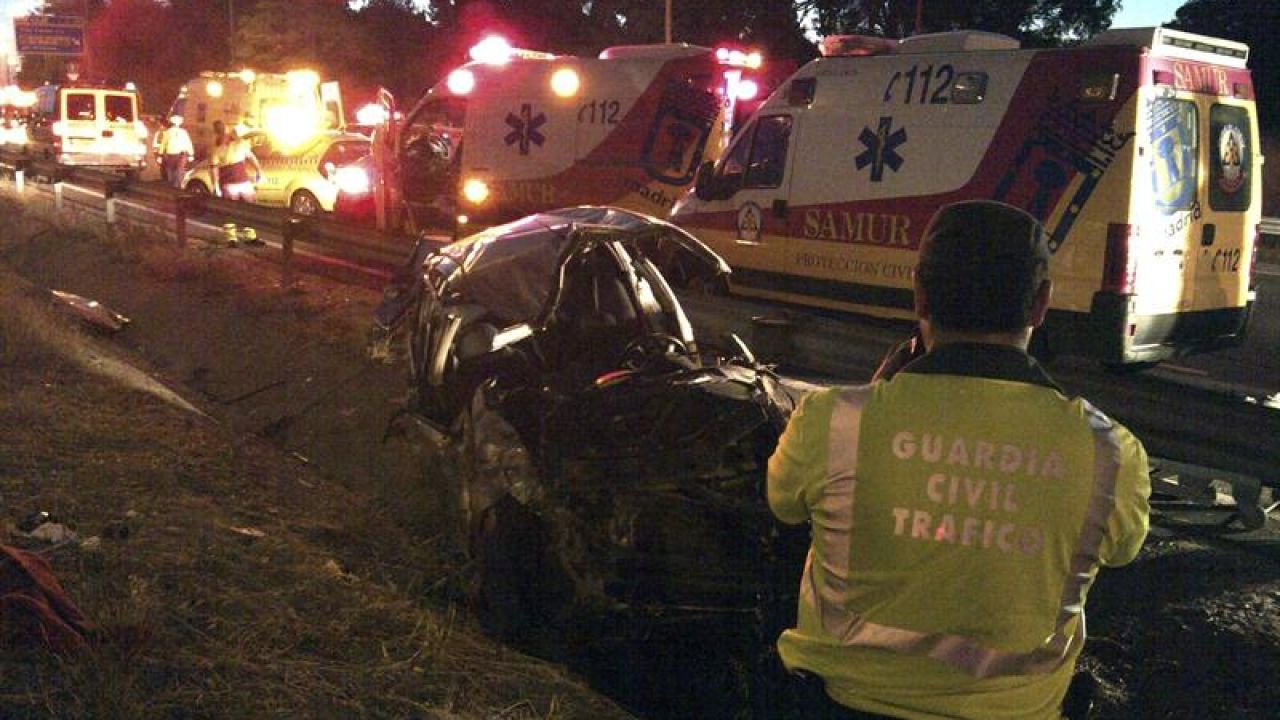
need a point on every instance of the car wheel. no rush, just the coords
(507, 548)
(304, 203)
(517, 583)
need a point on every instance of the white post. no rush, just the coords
(111, 211)
(20, 180)
(57, 196)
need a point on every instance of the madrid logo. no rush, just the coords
(750, 221)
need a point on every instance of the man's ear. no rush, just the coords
(1041, 305)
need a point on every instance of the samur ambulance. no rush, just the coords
(1137, 149)
(88, 125)
(294, 107)
(515, 131)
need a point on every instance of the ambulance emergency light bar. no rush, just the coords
(751, 60)
(495, 50)
(1178, 44)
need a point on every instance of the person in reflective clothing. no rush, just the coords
(175, 151)
(960, 509)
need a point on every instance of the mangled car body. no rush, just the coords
(604, 455)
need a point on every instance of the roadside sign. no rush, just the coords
(49, 35)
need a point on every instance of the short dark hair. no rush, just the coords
(981, 264)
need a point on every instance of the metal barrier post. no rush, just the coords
(181, 201)
(57, 195)
(293, 229)
(109, 191)
(20, 178)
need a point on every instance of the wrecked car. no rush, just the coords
(605, 457)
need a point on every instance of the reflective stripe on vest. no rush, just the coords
(960, 652)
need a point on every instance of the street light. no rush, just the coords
(231, 32)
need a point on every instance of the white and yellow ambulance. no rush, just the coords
(293, 107)
(1138, 150)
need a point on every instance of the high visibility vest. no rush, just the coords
(958, 523)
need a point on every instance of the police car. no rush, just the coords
(299, 177)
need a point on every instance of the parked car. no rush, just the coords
(300, 178)
(606, 456)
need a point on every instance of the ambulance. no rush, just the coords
(1137, 149)
(293, 107)
(515, 131)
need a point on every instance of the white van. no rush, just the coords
(88, 126)
(1138, 150)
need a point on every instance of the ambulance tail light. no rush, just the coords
(461, 81)
(59, 129)
(1119, 267)
(747, 90)
(475, 191)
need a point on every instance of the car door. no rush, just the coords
(272, 185)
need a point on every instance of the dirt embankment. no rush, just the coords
(259, 552)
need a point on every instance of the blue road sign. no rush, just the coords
(49, 35)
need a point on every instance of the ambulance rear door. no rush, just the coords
(428, 160)
(1202, 171)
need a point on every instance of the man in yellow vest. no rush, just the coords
(961, 509)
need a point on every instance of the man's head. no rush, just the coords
(175, 120)
(983, 268)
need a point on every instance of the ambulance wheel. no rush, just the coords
(304, 203)
(196, 187)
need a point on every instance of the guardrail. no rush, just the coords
(315, 239)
